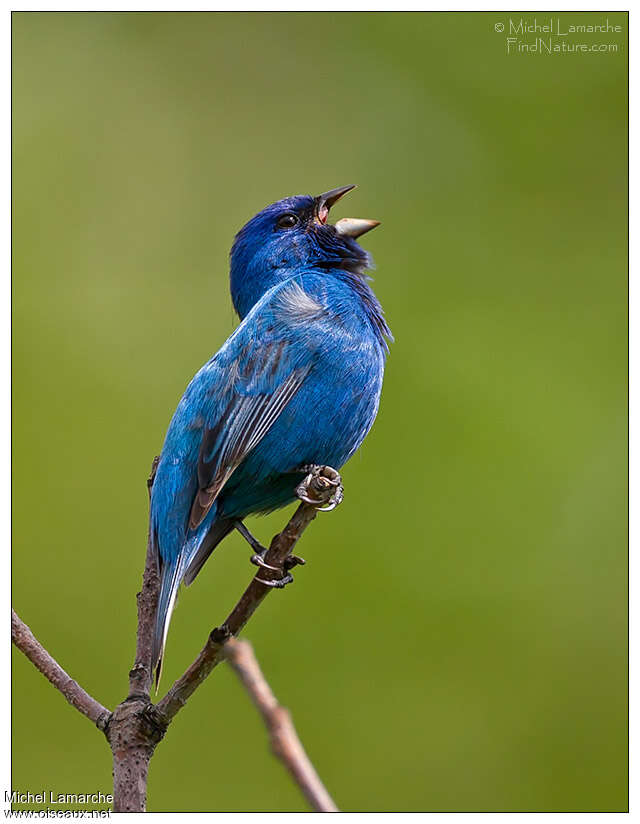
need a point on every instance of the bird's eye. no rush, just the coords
(287, 221)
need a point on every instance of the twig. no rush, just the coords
(27, 643)
(285, 743)
(321, 487)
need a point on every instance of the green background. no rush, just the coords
(458, 638)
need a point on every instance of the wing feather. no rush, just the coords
(248, 415)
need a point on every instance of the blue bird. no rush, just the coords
(297, 384)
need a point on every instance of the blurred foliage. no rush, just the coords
(458, 640)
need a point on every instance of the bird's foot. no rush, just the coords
(279, 583)
(322, 488)
(259, 551)
(257, 559)
(288, 564)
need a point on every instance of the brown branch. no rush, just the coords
(320, 487)
(27, 643)
(133, 731)
(141, 675)
(285, 743)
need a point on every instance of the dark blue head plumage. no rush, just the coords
(293, 234)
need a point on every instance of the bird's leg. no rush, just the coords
(321, 487)
(259, 551)
(258, 558)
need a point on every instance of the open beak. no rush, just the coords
(347, 226)
(355, 226)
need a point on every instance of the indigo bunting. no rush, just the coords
(296, 385)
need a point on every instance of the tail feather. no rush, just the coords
(183, 568)
(171, 577)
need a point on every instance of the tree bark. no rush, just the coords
(133, 734)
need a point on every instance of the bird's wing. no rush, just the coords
(262, 367)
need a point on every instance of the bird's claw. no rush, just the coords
(279, 583)
(335, 500)
(292, 561)
(258, 560)
(322, 488)
(287, 578)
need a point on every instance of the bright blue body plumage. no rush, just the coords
(298, 383)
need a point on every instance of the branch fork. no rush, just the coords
(136, 726)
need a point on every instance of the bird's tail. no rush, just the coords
(185, 567)
(172, 573)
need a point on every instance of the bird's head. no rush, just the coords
(293, 235)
